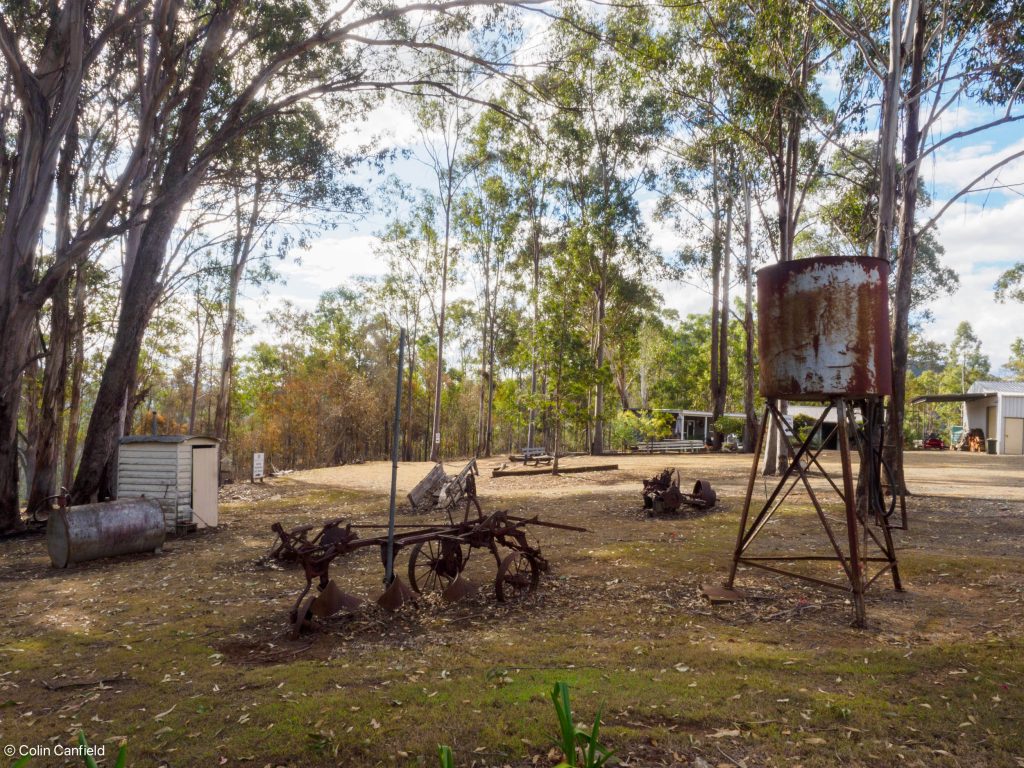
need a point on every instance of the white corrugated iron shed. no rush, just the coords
(179, 471)
(998, 408)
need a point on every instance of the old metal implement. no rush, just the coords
(438, 556)
(438, 490)
(288, 543)
(662, 495)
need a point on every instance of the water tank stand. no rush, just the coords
(865, 545)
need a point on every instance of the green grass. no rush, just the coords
(935, 684)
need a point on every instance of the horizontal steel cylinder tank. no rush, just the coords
(823, 328)
(92, 531)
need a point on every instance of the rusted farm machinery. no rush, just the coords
(662, 494)
(438, 490)
(438, 556)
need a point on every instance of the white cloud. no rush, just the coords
(980, 244)
(953, 167)
(331, 260)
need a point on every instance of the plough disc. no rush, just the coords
(395, 596)
(332, 600)
(458, 589)
(703, 491)
(301, 616)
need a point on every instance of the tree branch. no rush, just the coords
(967, 189)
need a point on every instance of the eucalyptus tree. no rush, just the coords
(1015, 365)
(701, 184)
(965, 362)
(563, 347)
(488, 218)
(848, 210)
(48, 56)
(284, 184)
(414, 285)
(928, 58)
(444, 124)
(248, 63)
(524, 158)
(604, 137)
(750, 88)
(632, 306)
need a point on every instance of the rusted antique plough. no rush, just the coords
(662, 494)
(438, 556)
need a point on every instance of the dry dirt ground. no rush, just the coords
(197, 668)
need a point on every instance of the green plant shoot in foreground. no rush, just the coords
(577, 743)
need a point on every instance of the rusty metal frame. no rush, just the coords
(859, 534)
(315, 555)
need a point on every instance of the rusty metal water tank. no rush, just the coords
(91, 531)
(823, 328)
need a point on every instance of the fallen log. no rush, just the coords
(548, 470)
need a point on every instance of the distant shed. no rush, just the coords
(179, 471)
(994, 407)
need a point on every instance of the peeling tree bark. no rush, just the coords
(893, 449)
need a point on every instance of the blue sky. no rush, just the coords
(982, 234)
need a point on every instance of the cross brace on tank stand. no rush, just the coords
(868, 539)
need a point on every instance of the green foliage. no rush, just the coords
(1015, 365)
(802, 424)
(729, 424)
(965, 362)
(581, 747)
(1010, 285)
(119, 762)
(848, 218)
(631, 427)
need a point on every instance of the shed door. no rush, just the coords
(991, 430)
(1013, 439)
(204, 485)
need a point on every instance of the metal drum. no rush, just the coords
(823, 328)
(91, 531)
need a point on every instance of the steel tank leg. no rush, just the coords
(737, 553)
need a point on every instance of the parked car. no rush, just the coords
(934, 443)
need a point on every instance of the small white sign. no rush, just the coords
(437, 438)
(257, 466)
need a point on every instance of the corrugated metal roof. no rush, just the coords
(164, 438)
(1006, 387)
(949, 398)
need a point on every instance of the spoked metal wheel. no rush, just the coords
(434, 564)
(518, 575)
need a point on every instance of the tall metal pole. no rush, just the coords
(389, 575)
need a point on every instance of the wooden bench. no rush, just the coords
(535, 454)
(670, 446)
